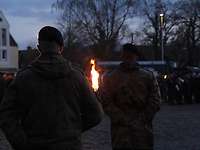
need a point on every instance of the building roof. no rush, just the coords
(3, 19)
(11, 70)
(13, 42)
(4, 23)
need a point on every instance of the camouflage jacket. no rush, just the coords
(131, 97)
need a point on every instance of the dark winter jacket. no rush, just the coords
(48, 106)
(131, 97)
(2, 87)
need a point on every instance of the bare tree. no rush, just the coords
(95, 22)
(188, 29)
(152, 22)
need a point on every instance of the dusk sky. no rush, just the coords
(26, 17)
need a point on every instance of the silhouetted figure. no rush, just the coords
(184, 77)
(195, 85)
(2, 86)
(49, 103)
(187, 91)
(131, 97)
(8, 77)
(175, 89)
(5, 80)
(162, 82)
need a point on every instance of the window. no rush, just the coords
(4, 37)
(4, 54)
(1, 19)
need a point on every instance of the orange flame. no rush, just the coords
(94, 76)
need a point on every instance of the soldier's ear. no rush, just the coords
(38, 46)
(61, 49)
(38, 49)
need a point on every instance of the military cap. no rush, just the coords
(128, 47)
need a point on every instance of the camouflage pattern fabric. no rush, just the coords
(130, 96)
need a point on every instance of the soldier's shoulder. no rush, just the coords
(76, 72)
(24, 70)
(147, 72)
(112, 73)
(76, 68)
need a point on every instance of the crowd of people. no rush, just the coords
(49, 103)
(5, 79)
(182, 86)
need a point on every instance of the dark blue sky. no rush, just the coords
(26, 17)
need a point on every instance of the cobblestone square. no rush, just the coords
(175, 127)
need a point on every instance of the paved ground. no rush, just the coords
(178, 128)
(175, 127)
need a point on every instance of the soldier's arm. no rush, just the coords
(10, 117)
(107, 101)
(1, 88)
(154, 99)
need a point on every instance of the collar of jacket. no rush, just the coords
(51, 67)
(127, 67)
(47, 53)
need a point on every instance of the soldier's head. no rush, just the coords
(50, 40)
(130, 52)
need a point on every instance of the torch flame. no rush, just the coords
(92, 62)
(94, 76)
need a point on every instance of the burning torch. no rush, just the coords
(94, 76)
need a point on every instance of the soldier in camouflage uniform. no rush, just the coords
(131, 97)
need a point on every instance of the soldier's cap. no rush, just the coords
(128, 47)
(50, 34)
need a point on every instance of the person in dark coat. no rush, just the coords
(5, 80)
(49, 103)
(131, 98)
(2, 86)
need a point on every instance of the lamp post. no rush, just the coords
(161, 27)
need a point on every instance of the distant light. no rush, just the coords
(162, 20)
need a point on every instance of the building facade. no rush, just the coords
(8, 47)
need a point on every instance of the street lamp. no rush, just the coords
(161, 27)
(161, 18)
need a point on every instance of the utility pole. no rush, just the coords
(161, 28)
(132, 38)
